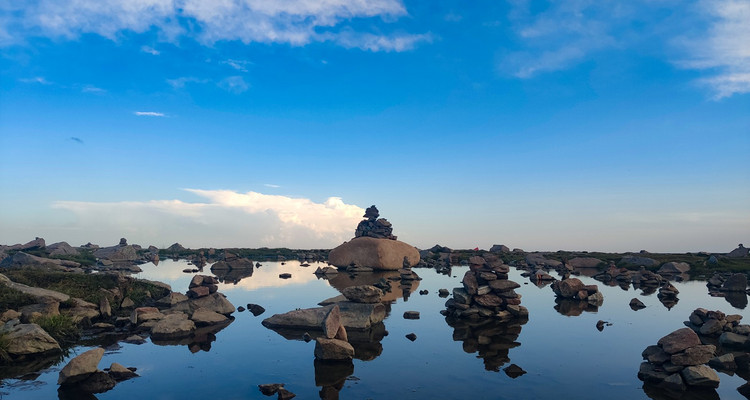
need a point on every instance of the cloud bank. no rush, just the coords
(710, 35)
(295, 22)
(225, 219)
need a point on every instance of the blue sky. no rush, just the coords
(579, 125)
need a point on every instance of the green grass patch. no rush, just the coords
(4, 343)
(61, 327)
(11, 299)
(83, 286)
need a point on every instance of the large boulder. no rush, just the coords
(117, 253)
(383, 254)
(173, 326)
(62, 249)
(363, 294)
(333, 349)
(735, 283)
(29, 339)
(584, 262)
(22, 259)
(673, 268)
(81, 366)
(33, 291)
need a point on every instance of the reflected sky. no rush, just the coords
(562, 354)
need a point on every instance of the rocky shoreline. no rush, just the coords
(485, 311)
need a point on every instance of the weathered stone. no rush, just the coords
(97, 382)
(567, 287)
(119, 373)
(363, 294)
(255, 309)
(333, 349)
(171, 299)
(700, 375)
(357, 316)
(33, 291)
(411, 314)
(503, 285)
(584, 262)
(332, 322)
(269, 389)
(735, 283)
(731, 339)
(649, 373)
(679, 340)
(136, 314)
(198, 292)
(711, 327)
(673, 382)
(470, 282)
(723, 362)
(127, 303)
(215, 302)
(204, 316)
(375, 253)
(636, 304)
(673, 268)
(411, 336)
(105, 309)
(28, 339)
(695, 355)
(81, 366)
(655, 354)
(489, 300)
(460, 295)
(173, 326)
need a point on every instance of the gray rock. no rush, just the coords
(81, 366)
(648, 373)
(731, 339)
(639, 261)
(679, 340)
(117, 253)
(120, 373)
(411, 314)
(97, 382)
(204, 316)
(655, 354)
(357, 316)
(673, 382)
(333, 349)
(701, 376)
(735, 283)
(22, 259)
(62, 249)
(30, 339)
(723, 362)
(499, 248)
(673, 268)
(173, 326)
(695, 355)
(363, 294)
(584, 262)
(636, 304)
(711, 327)
(332, 322)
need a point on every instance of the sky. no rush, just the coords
(541, 125)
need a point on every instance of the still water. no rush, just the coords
(565, 356)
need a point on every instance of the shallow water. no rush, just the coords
(564, 356)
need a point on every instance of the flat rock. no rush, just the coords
(119, 373)
(173, 326)
(731, 339)
(695, 355)
(204, 316)
(357, 316)
(81, 366)
(33, 291)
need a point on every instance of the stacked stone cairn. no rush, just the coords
(486, 293)
(668, 295)
(486, 313)
(574, 289)
(373, 226)
(683, 359)
(201, 286)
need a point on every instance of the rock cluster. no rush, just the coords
(82, 375)
(668, 295)
(437, 257)
(682, 360)
(573, 288)
(373, 226)
(675, 363)
(486, 293)
(201, 286)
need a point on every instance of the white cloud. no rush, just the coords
(239, 65)
(724, 50)
(92, 89)
(225, 219)
(296, 22)
(149, 114)
(371, 42)
(36, 79)
(179, 83)
(234, 84)
(150, 50)
(271, 185)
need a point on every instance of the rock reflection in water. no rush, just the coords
(489, 338)
(330, 376)
(657, 393)
(399, 289)
(736, 299)
(201, 338)
(574, 307)
(366, 343)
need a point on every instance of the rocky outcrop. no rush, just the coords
(735, 283)
(122, 252)
(33, 291)
(363, 294)
(539, 260)
(584, 262)
(381, 254)
(499, 248)
(740, 251)
(22, 259)
(29, 340)
(173, 326)
(673, 268)
(62, 249)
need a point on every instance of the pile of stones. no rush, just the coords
(486, 293)
(202, 285)
(373, 226)
(573, 288)
(668, 295)
(675, 363)
(727, 283)
(682, 360)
